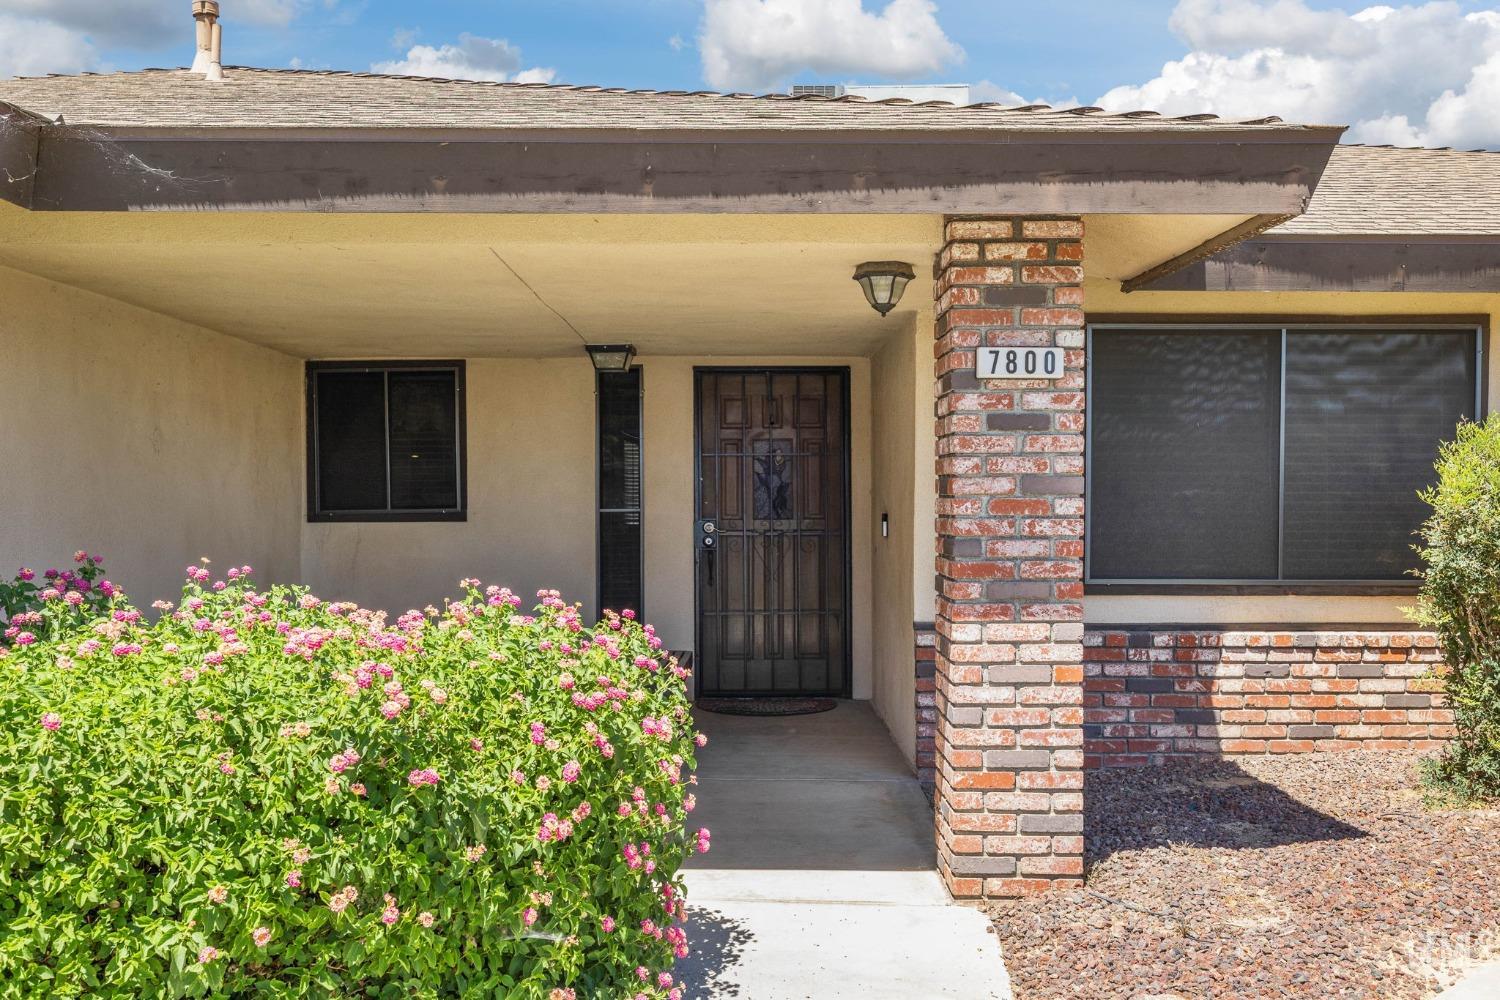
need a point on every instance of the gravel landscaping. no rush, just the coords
(1317, 875)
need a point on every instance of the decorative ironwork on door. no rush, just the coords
(772, 531)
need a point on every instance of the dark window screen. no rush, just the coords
(424, 441)
(620, 541)
(351, 440)
(1365, 411)
(387, 442)
(1184, 454)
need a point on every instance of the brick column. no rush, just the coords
(1009, 668)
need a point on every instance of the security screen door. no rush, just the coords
(772, 531)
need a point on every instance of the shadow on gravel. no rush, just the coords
(717, 943)
(1210, 802)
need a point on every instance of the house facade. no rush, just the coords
(1128, 473)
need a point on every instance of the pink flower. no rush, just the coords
(528, 916)
(538, 733)
(25, 639)
(664, 980)
(391, 913)
(294, 879)
(390, 709)
(543, 783)
(51, 721)
(474, 853)
(341, 900)
(357, 789)
(571, 770)
(476, 745)
(425, 919)
(27, 574)
(518, 776)
(218, 894)
(700, 740)
(607, 924)
(425, 776)
(207, 954)
(439, 696)
(261, 936)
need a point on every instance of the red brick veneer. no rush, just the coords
(1008, 672)
(1151, 694)
(926, 706)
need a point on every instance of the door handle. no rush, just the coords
(708, 540)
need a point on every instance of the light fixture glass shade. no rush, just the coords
(884, 282)
(611, 357)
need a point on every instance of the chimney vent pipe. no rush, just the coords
(206, 59)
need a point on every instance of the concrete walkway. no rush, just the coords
(1481, 984)
(821, 881)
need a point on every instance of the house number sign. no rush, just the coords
(1019, 362)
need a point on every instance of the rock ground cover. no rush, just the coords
(1317, 875)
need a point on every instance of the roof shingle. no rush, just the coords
(1386, 191)
(314, 99)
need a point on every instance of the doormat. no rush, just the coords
(767, 706)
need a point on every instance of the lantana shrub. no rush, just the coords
(258, 793)
(1460, 599)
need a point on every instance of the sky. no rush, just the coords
(1416, 74)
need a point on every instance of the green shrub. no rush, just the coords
(263, 794)
(1461, 600)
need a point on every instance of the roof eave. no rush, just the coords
(1234, 171)
(20, 139)
(1431, 262)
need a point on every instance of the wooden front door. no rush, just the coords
(772, 531)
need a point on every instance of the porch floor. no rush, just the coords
(822, 881)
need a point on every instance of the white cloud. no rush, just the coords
(761, 44)
(66, 36)
(988, 92)
(35, 24)
(29, 47)
(473, 58)
(1422, 74)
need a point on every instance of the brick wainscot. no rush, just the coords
(1154, 694)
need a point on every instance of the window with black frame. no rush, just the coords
(619, 525)
(385, 441)
(1287, 455)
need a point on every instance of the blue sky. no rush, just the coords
(1086, 49)
(1425, 73)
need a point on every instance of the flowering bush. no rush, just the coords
(83, 589)
(262, 793)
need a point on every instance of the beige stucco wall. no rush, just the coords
(531, 522)
(893, 461)
(669, 461)
(142, 437)
(1105, 298)
(531, 502)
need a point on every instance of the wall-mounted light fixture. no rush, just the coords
(884, 282)
(611, 357)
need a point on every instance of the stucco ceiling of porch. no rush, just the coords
(524, 286)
